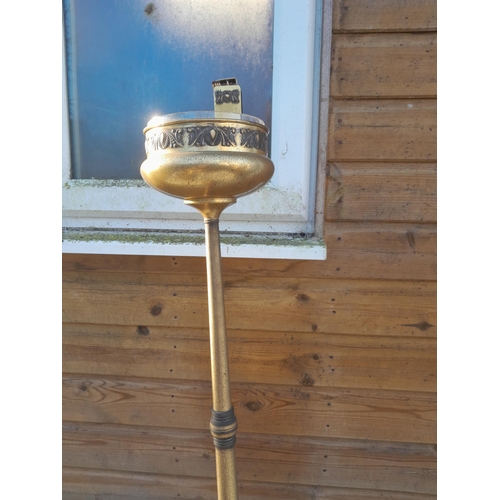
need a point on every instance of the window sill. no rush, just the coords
(191, 244)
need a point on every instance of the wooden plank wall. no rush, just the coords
(333, 363)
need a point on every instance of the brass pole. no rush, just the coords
(223, 423)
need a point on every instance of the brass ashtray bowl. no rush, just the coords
(206, 156)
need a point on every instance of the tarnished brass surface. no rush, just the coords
(221, 393)
(200, 159)
(209, 159)
(227, 486)
(217, 319)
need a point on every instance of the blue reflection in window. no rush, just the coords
(129, 60)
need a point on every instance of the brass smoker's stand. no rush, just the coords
(209, 159)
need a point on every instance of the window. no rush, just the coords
(119, 69)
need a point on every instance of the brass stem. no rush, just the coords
(227, 488)
(223, 424)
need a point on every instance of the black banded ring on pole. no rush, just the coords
(209, 159)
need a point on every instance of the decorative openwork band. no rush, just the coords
(206, 135)
(223, 427)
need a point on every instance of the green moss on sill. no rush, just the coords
(104, 183)
(132, 237)
(172, 238)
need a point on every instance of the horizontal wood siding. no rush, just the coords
(384, 15)
(383, 415)
(378, 65)
(288, 358)
(359, 307)
(383, 130)
(271, 458)
(381, 192)
(333, 363)
(84, 484)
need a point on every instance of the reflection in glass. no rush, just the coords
(129, 60)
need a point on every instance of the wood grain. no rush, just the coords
(85, 484)
(381, 251)
(382, 192)
(277, 459)
(290, 359)
(384, 65)
(382, 130)
(368, 250)
(268, 409)
(384, 15)
(254, 303)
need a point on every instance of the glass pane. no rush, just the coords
(129, 60)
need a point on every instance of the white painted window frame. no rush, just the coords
(129, 217)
